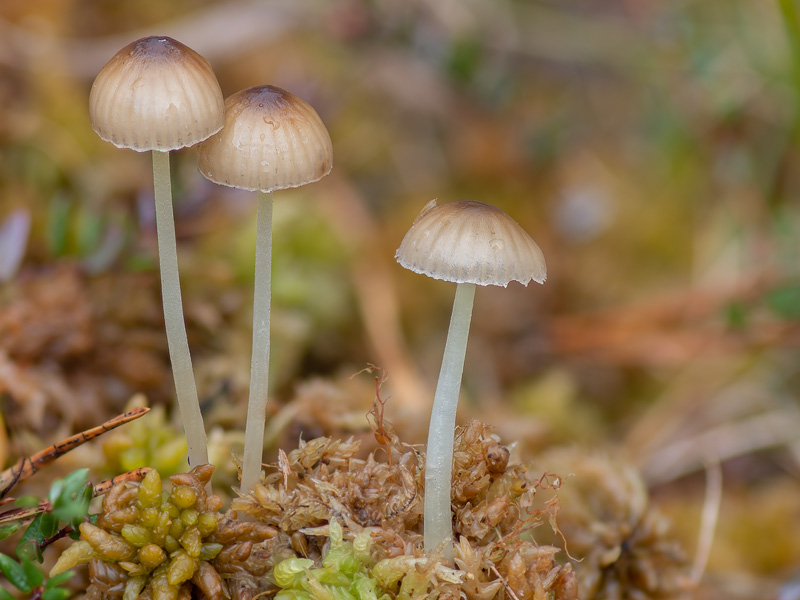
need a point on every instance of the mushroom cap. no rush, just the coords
(272, 140)
(470, 242)
(156, 94)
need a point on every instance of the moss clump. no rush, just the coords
(348, 528)
(152, 542)
(622, 546)
(325, 524)
(148, 442)
(343, 574)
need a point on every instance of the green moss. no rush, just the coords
(345, 573)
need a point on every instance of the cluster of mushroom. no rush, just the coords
(157, 94)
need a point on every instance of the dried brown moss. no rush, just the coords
(321, 482)
(321, 501)
(623, 546)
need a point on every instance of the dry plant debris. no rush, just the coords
(74, 348)
(622, 546)
(26, 467)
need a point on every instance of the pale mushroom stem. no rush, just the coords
(173, 313)
(439, 458)
(259, 362)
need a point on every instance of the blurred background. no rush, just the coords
(649, 147)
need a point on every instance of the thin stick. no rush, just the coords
(177, 341)
(104, 486)
(726, 441)
(259, 362)
(708, 521)
(18, 514)
(504, 582)
(30, 465)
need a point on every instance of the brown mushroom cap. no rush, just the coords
(156, 94)
(272, 140)
(470, 242)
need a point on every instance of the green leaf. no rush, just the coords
(45, 525)
(736, 315)
(56, 594)
(68, 488)
(7, 530)
(58, 224)
(465, 59)
(70, 497)
(15, 574)
(76, 480)
(785, 302)
(59, 579)
(32, 572)
(55, 491)
(27, 501)
(4, 595)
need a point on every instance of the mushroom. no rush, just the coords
(271, 140)
(469, 243)
(158, 95)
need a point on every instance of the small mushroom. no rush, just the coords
(469, 243)
(271, 140)
(158, 95)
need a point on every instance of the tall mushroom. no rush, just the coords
(158, 95)
(271, 140)
(469, 243)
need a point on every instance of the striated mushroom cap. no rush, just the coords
(156, 94)
(272, 140)
(470, 242)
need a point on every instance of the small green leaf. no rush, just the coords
(4, 595)
(55, 491)
(464, 60)
(34, 575)
(15, 574)
(58, 225)
(45, 525)
(7, 530)
(67, 489)
(785, 302)
(736, 315)
(56, 594)
(76, 480)
(59, 579)
(70, 497)
(27, 501)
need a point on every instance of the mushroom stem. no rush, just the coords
(439, 458)
(259, 362)
(173, 313)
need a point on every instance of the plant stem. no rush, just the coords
(791, 21)
(439, 458)
(259, 362)
(173, 313)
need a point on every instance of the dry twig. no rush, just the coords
(30, 465)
